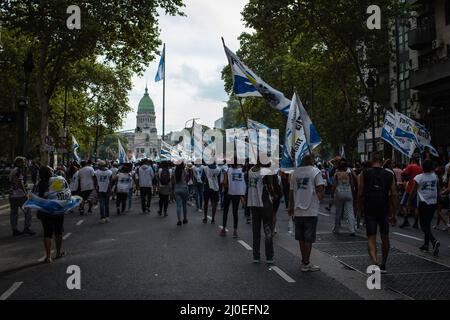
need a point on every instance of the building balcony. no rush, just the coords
(429, 75)
(421, 37)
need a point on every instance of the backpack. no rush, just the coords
(376, 192)
(164, 178)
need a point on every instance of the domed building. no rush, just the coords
(144, 142)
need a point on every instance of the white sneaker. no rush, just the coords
(310, 268)
(103, 221)
(200, 210)
(107, 219)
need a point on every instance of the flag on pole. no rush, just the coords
(162, 64)
(403, 145)
(247, 84)
(296, 140)
(75, 147)
(342, 151)
(122, 155)
(414, 131)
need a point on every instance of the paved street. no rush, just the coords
(139, 256)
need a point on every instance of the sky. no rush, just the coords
(194, 60)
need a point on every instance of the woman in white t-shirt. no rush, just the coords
(426, 188)
(234, 184)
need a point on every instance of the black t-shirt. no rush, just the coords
(377, 186)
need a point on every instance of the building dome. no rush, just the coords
(146, 104)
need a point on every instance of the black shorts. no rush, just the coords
(52, 224)
(305, 229)
(212, 195)
(373, 222)
(85, 194)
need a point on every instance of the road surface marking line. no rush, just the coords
(324, 214)
(406, 236)
(221, 227)
(41, 259)
(80, 222)
(10, 291)
(245, 245)
(66, 236)
(282, 274)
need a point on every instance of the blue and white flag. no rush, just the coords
(162, 65)
(247, 84)
(122, 154)
(58, 201)
(403, 145)
(252, 124)
(312, 136)
(75, 146)
(295, 146)
(414, 131)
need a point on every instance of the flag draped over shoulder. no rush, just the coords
(247, 84)
(75, 147)
(162, 65)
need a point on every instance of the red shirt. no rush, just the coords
(412, 171)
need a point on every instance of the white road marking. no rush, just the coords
(324, 214)
(80, 222)
(406, 236)
(41, 259)
(10, 291)
(221, 227)
(245, 245)
(282, 274)
(209, 217)
(66, 236)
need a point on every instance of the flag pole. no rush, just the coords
(164, 94)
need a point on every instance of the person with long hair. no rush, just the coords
(181, 192)
(343, 190)
(53, 225)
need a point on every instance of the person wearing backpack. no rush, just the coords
(260, 203)
(164, 185)
(144, 181)
(343, 190)
(377, 194)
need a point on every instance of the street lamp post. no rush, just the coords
(371, 82)
(28, 66)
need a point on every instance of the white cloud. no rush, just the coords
(194, 60)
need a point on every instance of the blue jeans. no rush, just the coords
(198, 195)
(103, 199)
(181, 195)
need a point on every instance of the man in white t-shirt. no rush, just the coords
(198, 186)
(103, 183)
(144, 178)
(306, 190)
(86, 179)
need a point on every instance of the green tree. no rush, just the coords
(324, 50)
(123, 33)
